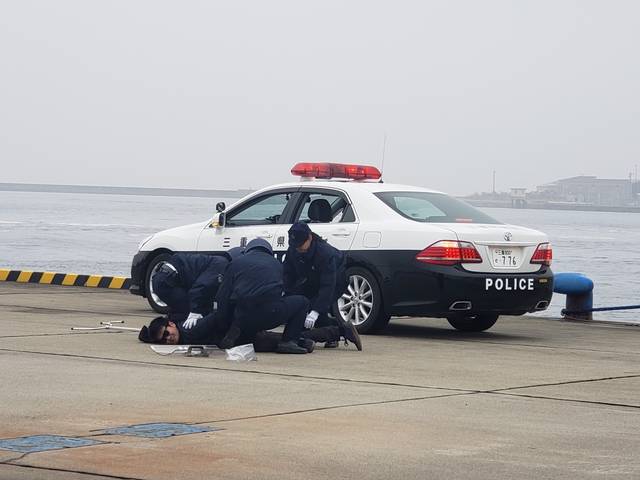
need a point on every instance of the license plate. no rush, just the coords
(506, 257)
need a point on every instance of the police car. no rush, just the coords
(410, 251)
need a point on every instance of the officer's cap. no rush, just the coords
(259, 243)
(298, 234)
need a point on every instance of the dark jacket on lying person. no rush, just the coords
(169, 330)
(319, 274)
(207, 332)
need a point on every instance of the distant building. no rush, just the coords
(588, 190)
(518, 197)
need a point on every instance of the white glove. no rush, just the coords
(191, 320)
(310, 321)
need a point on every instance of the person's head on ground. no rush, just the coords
(300, 237)
(160, 330)
(258, 244)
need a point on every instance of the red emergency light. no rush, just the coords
(336, 170)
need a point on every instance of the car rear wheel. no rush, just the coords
(361, 304)
(153, 299)
(473, 323)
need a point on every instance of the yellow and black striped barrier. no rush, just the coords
(68, 279)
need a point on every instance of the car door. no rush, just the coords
(257, 217)
(338, 227)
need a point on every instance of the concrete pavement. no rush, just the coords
(530, 398)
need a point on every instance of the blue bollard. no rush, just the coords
(579, 291)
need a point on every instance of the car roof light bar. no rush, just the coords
(336, 170)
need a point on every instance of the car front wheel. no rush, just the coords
(361, 304)
(473, 323)
(154, 301)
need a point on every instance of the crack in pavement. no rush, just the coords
(20, 457)
(570, 400)
(331, 407)
(566, 382)
(466, 391)
(80, 472)
(401, 400)
(252, 372)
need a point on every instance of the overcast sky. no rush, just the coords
(208, 94)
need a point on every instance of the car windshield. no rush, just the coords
(433, 208)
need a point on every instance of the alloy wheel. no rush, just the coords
(153, 295)
(356, 303)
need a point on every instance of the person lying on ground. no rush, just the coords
(163, 330)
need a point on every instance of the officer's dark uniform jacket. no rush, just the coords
(251, 279)
(199, 275)
(319, 273)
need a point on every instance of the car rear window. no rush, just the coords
(433, 208)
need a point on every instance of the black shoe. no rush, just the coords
(290, 347)
(331, 344)
(307, 344)
(351, 334)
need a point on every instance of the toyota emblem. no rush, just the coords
(508, 236)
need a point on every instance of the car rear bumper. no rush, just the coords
(413, 288)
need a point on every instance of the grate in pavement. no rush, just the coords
(42, 443)
(159, 430)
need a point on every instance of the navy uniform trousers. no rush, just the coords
(253, 317)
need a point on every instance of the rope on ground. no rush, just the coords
(600, 309)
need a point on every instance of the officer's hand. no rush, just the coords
(191, 320)
(310, 321)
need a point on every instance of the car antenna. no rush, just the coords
(384, 147)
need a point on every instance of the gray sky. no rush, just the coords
(231, 94)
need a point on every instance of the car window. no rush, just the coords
(433, 207)
(418, 208)
(265, 210)
(327, 208)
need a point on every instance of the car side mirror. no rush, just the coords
(218, 221)
(220, 207)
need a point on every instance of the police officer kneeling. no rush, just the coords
(315, 269)
(188, 283)
(251, 299)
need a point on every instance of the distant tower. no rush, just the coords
(494, 183)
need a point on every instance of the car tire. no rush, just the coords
(362, 303)
(154, 301)
(473, 323)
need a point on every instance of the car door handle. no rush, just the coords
(341, 233)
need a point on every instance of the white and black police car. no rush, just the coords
(410, 251)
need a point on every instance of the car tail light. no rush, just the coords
(543, 254)
(336, 170)
(449, 252)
